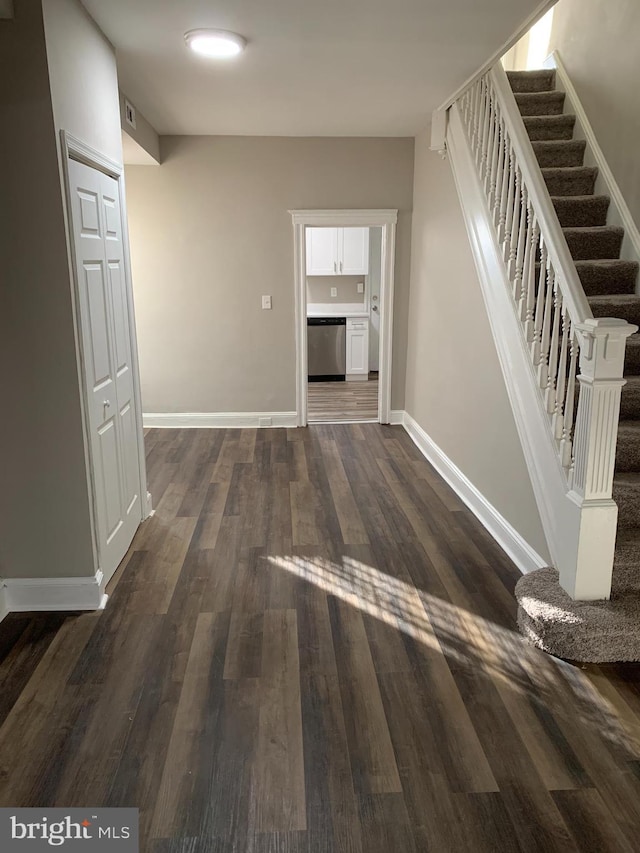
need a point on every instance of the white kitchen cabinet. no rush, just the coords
(357, 367)
(353, 251)
(337, 251)
(322, 251)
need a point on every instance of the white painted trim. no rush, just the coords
(512, 543)
(217, 420)
(619, 213)
(39, 594)
(344, 218)
(78, 150)
(385, 219)
(396, 417)
(524, 28)
(4, 609)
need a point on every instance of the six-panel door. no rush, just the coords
(106, 360)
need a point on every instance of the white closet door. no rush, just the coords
(322, 251)
(353, 251)
(106, 356)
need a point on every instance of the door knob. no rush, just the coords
(374, 307)
(107, 404)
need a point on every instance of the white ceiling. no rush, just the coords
(323, 68)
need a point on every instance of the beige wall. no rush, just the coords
(598, 43)
(455, 389)
(143, 133)
(44, 503)
(211, 232)
(84, 80)
(319, 289)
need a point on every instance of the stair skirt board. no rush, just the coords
(218, 420)
(19, 595)
(523, 555)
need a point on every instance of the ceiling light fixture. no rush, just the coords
(217, 44)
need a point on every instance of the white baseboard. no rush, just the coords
(4, 610)
(396, 416)
(40, 594)
(218, 420)
(522, 554)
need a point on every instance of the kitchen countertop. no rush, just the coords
(340, 310)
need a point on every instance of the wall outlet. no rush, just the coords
(266, 303)
(334, 291)
(361, 287)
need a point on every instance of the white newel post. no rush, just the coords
(602, 347)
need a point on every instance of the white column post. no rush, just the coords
(602, 346)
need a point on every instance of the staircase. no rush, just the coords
(555, 268)
(609, 283)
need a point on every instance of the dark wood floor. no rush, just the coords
(311, 647)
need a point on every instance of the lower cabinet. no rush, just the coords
(357, 349)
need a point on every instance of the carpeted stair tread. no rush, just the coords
(628, 447)
(539, 80)
(632, 356)
(599, 242)
(626, 493)
(630, 400)
(540, 103)
(559, 152)
(608, 276)
(570, 180)
(542, 128)
(621, 306)
(581, 211)
(586, 631)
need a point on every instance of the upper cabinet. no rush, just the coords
(337, 251)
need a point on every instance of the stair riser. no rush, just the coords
(540, 103)
(580, 183)
(561, 154)
(607, 281)
(628, 500)
(578, 213)
(528, 81)
(628, 452)
(556, 128)
(593, 247)
(630, 402)
(629, 312)
(632, 361)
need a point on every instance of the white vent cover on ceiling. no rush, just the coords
(129, 112)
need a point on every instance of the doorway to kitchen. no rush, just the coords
(344, 262)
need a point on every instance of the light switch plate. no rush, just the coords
(361, 287)
(266, 303)
(334, 291)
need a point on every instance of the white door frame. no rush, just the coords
(74, 149)
(385, 219)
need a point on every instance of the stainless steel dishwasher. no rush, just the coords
(327, 348)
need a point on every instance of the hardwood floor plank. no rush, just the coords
(279, 804)
(353, 532)
(373, 762)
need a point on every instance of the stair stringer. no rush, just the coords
(572, 528)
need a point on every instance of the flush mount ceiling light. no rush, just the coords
(217, 44)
